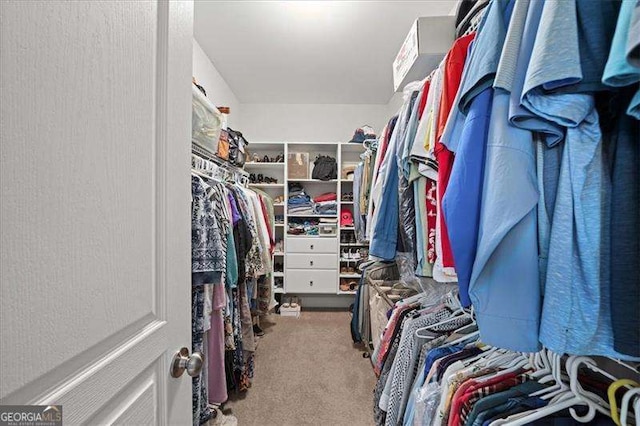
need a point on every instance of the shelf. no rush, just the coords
(346, 202)
(350, 276)
(313, 215)
(279, 224)
(278, 253)
(278, 290)
(352, 147)
(354, 244)
(271, 165)
(278, 275)
(342, 259)
(267, 185)
(347, 292)
(278, 205)
(313, 180)
(347, 228)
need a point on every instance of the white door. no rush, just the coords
(95, 195)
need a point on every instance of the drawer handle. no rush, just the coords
(311, 246)
(311, 263)
(311, 283)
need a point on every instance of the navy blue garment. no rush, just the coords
(596, 26)
(355, 318)
(625, 232)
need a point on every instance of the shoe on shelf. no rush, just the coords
(257, 330)
(356, 255)
(265, 159)
(256, 158)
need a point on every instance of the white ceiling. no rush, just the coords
(308, 52)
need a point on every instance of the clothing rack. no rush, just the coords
(203, 163)
(472, 20)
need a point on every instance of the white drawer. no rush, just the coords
(306, 281)
(311, 245)
(312, 261)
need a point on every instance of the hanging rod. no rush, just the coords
(197, 150)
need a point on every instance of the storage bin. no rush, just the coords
(298, 165)
(328, 229)
(290, 312)
(206, 122)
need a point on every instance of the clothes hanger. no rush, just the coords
(530, 416)
(624, 408)
(544, 366)
(568, 401)
(576, 388)
(555, 374)
(611, 393)
(473, 336)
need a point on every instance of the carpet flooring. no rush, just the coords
(308, 372)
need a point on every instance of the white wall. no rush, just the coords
(309, 122)
(218, 91)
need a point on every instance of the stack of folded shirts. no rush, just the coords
(326, 203)
(327, 207)
(299, 202)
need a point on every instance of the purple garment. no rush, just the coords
(235, 213)
(215, 357)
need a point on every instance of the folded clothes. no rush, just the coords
(308, 211)
(295, 187)
(299, 200)
(326, 203)
(328, 196)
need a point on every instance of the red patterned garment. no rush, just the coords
(432, 215)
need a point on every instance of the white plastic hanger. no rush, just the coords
(531, 416)
(567, 400)
(624, 407)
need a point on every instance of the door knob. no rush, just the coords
(183, 361)
(311, 283)
(311, 263)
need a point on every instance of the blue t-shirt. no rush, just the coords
(618, 72)
(576, 317)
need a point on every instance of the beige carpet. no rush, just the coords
(308, 372)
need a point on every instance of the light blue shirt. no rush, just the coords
(576, 313)
(504, 285)
(485, 55)
(618, 71)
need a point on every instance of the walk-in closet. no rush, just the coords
(351, 213)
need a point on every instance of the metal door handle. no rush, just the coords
(311, 283)
(311, 246)
(183, 361)
(311, 263)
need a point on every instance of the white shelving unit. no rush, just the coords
(276, 171)
(349, 156)
(322, 275)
